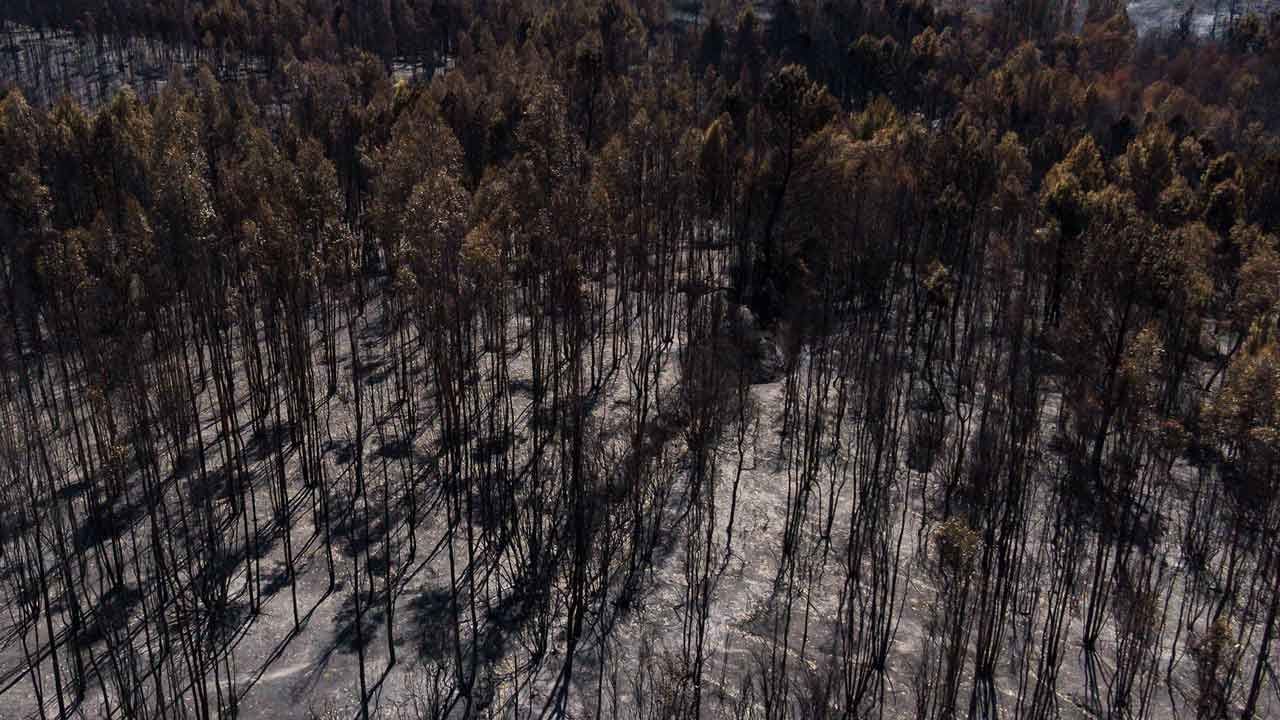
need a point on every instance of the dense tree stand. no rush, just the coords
(609, 360)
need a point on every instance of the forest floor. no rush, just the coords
(280, 673)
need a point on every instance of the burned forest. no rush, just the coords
(593, 359)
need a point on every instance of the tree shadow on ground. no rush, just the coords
(263, 441)
(275, 581)
(351, 637)
(431, 613)
(104, 526)
(395, 449)
(110, 614)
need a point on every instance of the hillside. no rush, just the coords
(559, 360)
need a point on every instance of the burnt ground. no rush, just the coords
(313, 673)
